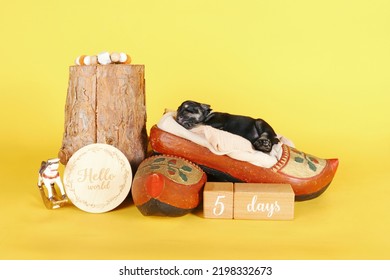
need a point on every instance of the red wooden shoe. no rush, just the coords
(167, 186)
(309, 176)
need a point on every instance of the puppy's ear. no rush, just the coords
(185, 105)
(206, 108)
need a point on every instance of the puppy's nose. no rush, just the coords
(187, 125)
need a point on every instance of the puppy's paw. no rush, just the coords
(263, 145)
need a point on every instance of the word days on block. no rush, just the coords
(248, 201)
(263, 201)
(218, 200)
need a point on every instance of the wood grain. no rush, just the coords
(106, 104)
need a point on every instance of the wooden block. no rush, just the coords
(218, 200)
(263, 201)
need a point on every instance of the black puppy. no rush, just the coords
(257, 131)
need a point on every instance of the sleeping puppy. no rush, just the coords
(257, 131)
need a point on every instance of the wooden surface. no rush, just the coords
(106, 104)
(218, 200)
(80, 111)
(263, 201)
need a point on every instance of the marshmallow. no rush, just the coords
(87, 60)
(124, 58)
(94, 60)
(115, 57)
(104, 58)
(80, 60)
(77, 61)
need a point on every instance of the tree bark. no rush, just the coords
(106, 104)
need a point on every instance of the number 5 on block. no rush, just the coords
(218, 200)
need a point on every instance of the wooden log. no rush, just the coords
(106, 104)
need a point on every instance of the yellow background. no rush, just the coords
(318, 71)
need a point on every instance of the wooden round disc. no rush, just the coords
(97, 178)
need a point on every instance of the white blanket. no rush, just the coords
(223, 143)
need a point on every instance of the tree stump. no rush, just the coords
(106, 104)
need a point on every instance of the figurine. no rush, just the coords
(48, 175)
(257, 131)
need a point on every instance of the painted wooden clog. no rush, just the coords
(308, 175)
(167, 186)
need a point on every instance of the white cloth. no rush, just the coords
(221, 142)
